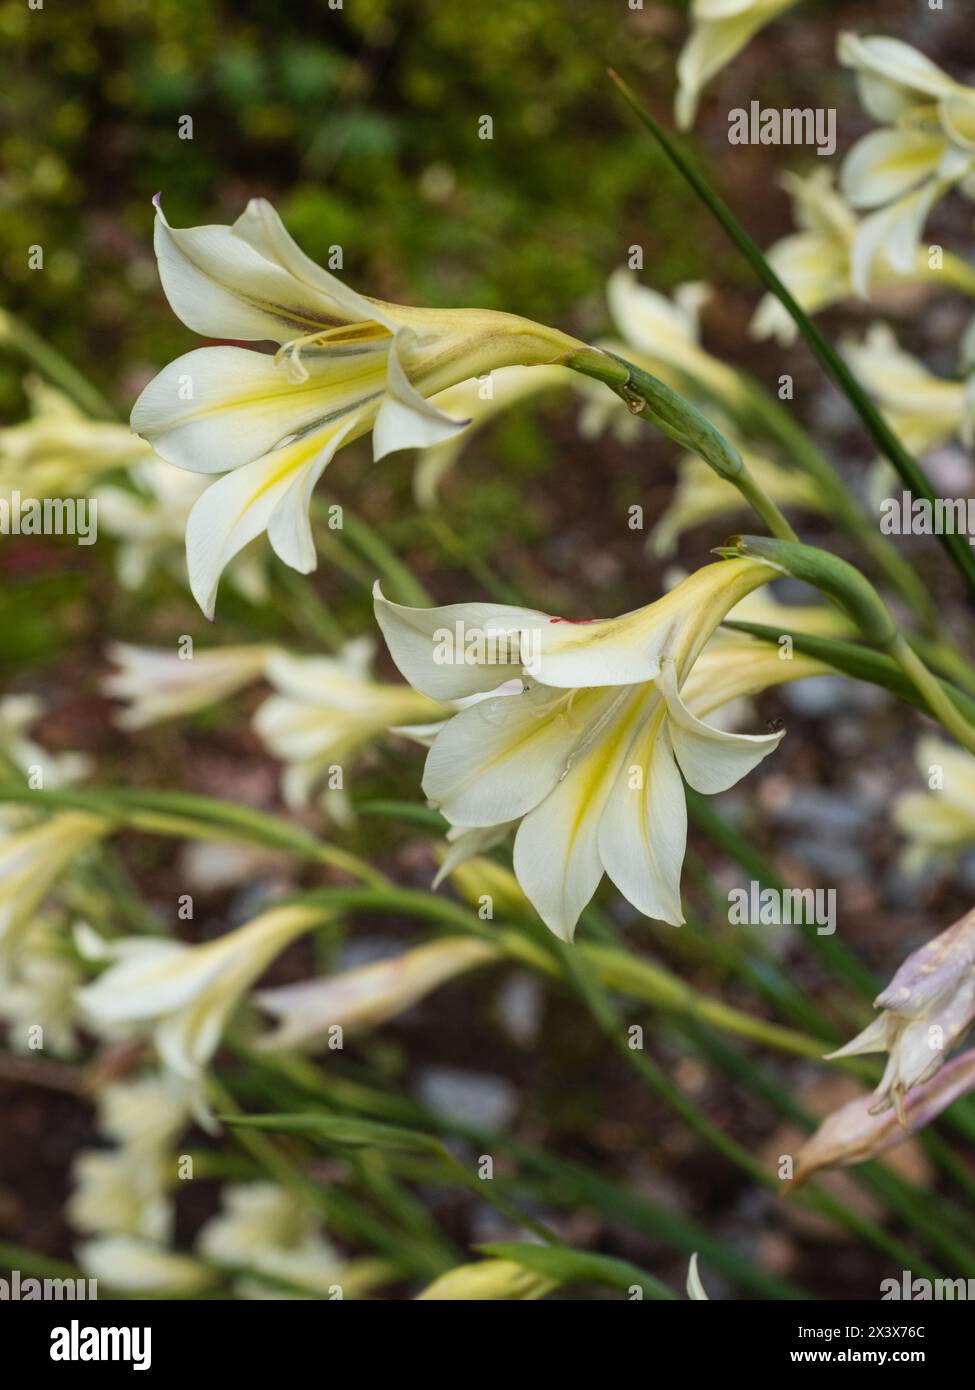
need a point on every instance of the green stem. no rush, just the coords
(55, 367)
(651, 399)
(928, 686)
(830, 360)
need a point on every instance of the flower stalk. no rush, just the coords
(650, 399)
(847, 587)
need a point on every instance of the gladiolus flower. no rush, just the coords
(157, 684)
(119, 1193)
(588, 755)
(132, 1265)
(185, 995)
(922, 409)
(858, 1131)
(927, 1007)
(326, 710)
(942, 820)
(721, 30)
(347, 365)
(489, 1280)
(59, 450)
(263, 1229)
(32, 860)
(929, 147)
(368, 995)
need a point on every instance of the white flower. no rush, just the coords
(817, 263)
(589, 755)
(347, 365)
(119, 1193)
(59, 450)
(928, 147)
(367, 995)
(264, 1229)
(185, 995)
(145, 1116)
(157, 684)
(149, 521)
(37, 991)
(32, 860)
(17, 714)
(662, 336)
(326, 710)
(942, 819)
(131, 1265)
(923, 410)
(721, 30)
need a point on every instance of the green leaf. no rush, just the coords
(579, 1267)
(175, 813)
(343, 1132)
(862, 663)
(829, 359)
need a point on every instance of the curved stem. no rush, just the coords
(943, 709)
(651, 399)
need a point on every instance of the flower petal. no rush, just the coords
(886, 164)
(643, 831)
(407, 420)
(250, 281)
(556, 853)
(271, 493)
(711, 760)
(420, 640)
(244, 404)
(496, 760)
(893, 233)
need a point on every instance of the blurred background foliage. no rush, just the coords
(361, 125)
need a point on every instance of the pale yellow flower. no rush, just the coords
(940, 821)
(817, 263)
(588, 755)
(368, 995)
(117, 1192)
(156, 684)
(325, 711)
(265, 1231)
(31, 862)
(148, 520)
(488, 1281)
(347, 366)
(58, 450)
(184, 996)
(37, 993)
(923, 410)
(928, 147)
(132, 1265)
(147, 1115)
(721, 30)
